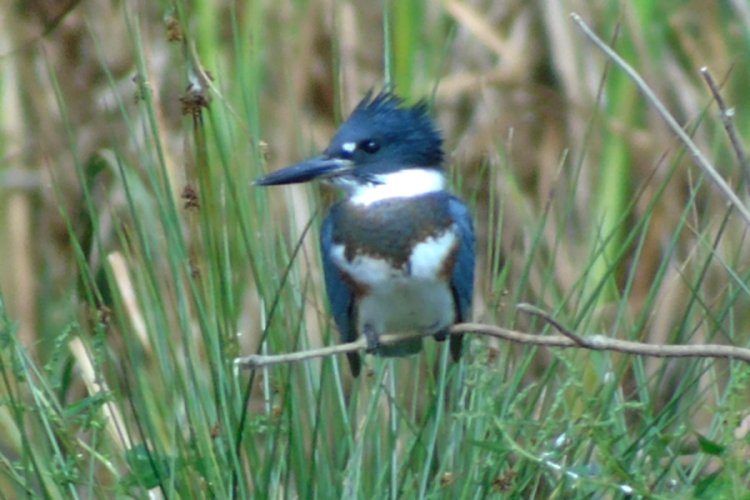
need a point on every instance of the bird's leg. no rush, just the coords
(441, 335)
(371, 336)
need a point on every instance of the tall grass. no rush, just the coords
(137, 261)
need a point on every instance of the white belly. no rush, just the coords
(405, 305)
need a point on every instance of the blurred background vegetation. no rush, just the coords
(136, 260)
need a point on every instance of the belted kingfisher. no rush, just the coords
(398, 251)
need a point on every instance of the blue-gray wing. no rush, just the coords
(340, 296)
(462, 278)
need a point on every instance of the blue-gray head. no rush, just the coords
(381, 136)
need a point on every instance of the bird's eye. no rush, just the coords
(369, 146)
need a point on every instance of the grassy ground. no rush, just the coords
(136, 261)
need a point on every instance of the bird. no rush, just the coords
(398, 250)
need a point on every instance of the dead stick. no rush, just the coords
(594, 343)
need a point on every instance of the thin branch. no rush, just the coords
(253, 361)
(726, 115)
(529, 309)
(568, 340)
(696, 153)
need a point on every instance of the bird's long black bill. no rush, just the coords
(314, 168)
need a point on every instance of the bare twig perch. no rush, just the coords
(567, 340)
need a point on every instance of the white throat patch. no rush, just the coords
(400, 184)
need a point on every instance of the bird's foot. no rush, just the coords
(441, 332)
(373, 344)
(441, 335)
